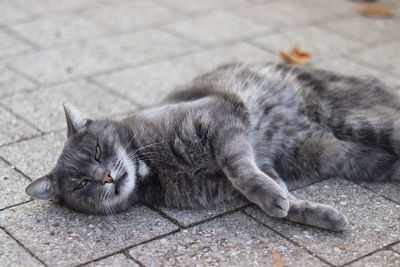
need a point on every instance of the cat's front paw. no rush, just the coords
(275, 203)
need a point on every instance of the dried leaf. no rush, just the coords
(296, 56)
(277, 259)
(300, 53)
(337, 249)
(376, 11)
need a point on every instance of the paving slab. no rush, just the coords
(114, 260)
(321, 44)
(348, 67)
(12, 254)
(386, 52)
(234, 240)
(64, 238)
(13, 129)
(280, 15)
(149, 84)
(11, 83)
(60, 30)
(230, 28)
(371, 226)
(191, 7)
(12, 185)
(379, 30)
(50, 116)
(188, 217)
(11, 47)
(101, 55)
(132, 16)
(385, 258)
(37, 156)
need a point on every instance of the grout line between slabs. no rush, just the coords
(348, 37)
(21, 38)
(23, 246)
(16, 169)
(114, 92)
(385, 248)
(165, 216)
(32, 80)
(35, 136)
(195, 15)
(376, 193)
(21, 118)
(21, 140)
(229, 212)
(16, 205)
(385, 70)
(126, 253)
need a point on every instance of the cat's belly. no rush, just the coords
(200, 191)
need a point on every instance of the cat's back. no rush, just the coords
(284, 100)
(293, 90)
(256, 85)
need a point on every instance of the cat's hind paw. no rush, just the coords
(335, 220)
(322, 216)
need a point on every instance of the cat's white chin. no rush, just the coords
(127, 185)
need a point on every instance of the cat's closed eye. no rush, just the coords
(97, 155)
(81, 185)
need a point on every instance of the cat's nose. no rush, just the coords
(107, 178)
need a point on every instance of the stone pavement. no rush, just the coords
(112, 57)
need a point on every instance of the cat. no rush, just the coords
(240, 131)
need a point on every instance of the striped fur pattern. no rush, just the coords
(240, 131)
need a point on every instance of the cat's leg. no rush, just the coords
(322, 155)
(375, 127)
(236, 158)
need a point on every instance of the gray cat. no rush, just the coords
(239, 131)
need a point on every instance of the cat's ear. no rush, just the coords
(41, 188)
(76, 121)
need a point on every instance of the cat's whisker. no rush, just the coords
(145, 157)
(110, 212)
(149, 159)
(129, 143)
(149, 146)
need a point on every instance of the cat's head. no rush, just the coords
(94, 173)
